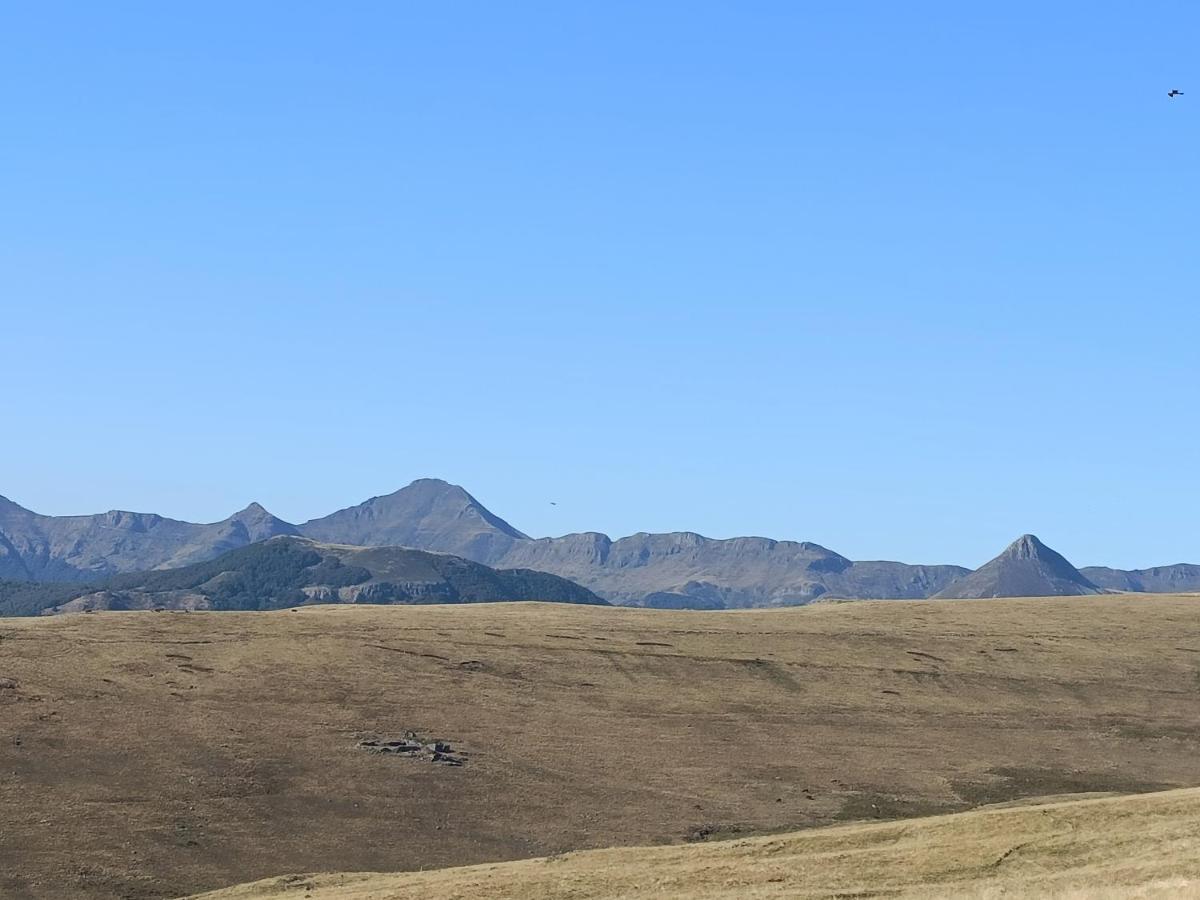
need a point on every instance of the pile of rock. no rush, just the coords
(414, 746)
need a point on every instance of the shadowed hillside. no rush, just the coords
(291, 571)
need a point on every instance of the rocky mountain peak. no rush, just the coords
(1028, 546)
(1026, 568)
(429, 513)
(259, 524)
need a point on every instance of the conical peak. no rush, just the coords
(1027, 546)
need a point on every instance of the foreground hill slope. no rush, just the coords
(292, 571)
(1147, 845)
(156, 755)
(1026, 568)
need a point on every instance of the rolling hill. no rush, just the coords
(149, 756)
(1109, 848)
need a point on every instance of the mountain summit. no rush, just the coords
(430, 514)
(1026, 568)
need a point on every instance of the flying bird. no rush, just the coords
(1174, 93)
(552, 503)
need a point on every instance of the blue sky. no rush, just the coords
(906, 280)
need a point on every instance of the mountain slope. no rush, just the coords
(73, 548)
(429, 513)
(685, 570)
(1180, 578)
(1026, 568)
(292, 571)
(12, 566)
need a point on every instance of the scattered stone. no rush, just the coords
(413, 746)
(404, 746)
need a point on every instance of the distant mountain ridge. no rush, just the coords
(1180, 578)
(67, 548)
(673, 570)
(687, 570)
(288, 571)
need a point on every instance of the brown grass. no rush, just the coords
(152, 755)
(1141, 846)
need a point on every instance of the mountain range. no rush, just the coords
(287, 571)
(70, 548)
(672, 570)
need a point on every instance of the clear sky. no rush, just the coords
(904, 279)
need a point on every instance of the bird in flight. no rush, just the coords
(1174, 93)
(552, 503)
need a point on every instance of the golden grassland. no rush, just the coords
(152, 755)
(1138, 846)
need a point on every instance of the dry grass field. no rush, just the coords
(1139, 846)
(151, 755)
